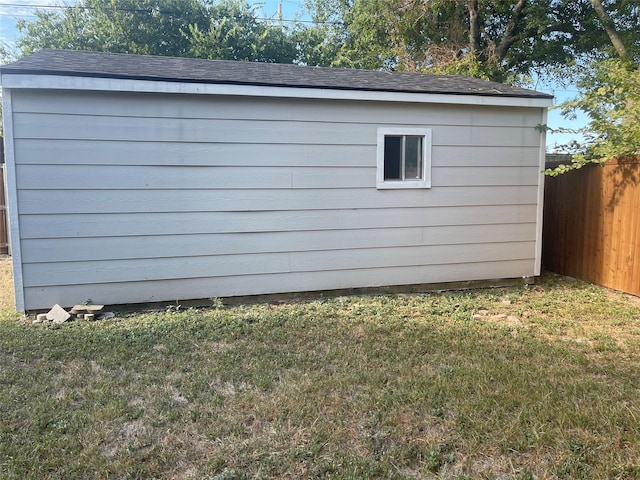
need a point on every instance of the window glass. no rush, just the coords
(392, 157)
(412, 158)
(403, 157)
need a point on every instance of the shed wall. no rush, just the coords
(142, 197)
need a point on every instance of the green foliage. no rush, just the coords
(227, 29)
(610, 96)
(151, 27)
(320, 43)
(7, 55)
(368, 43)
(469, 65)
(317, 45)
(504, 40)
(234, 33)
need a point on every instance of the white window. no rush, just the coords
(404, 158)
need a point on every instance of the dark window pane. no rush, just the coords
(392, 158)
(413, 158)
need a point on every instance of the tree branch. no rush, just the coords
(509, 37)
(610, 28)
(474, 26)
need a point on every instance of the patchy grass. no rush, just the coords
(6, 284)
(532, 382)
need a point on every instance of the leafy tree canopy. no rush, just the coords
(609, 91)
(503, 40)
(610, 97)
(227, 29)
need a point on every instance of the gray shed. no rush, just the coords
(141, 179)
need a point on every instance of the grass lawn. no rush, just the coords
(522, 383)
(6, 284)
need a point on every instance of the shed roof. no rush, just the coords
(194, 70)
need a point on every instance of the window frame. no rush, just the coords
(425, 181)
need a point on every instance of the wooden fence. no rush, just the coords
(4, 229)
(592, 225)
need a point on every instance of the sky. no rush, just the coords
(12, 10)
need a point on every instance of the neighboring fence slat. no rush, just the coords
(4, 231)
(591, 225)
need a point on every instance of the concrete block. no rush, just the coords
(86, 309)
(58, 314)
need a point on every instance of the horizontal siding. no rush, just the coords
(137, 270)
(97, 152)
(147, 177)
(485, 156)
(76, 200)
(80, 225)
(188, 178)
(49, 126)
(136, 197)
(244, 108)
(131, 153)
(170, 290)
(52, 250)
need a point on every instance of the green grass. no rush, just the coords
(6, 284)
(544, 383)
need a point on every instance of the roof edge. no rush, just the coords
(151, 78)
(101, 83)
(92, 64)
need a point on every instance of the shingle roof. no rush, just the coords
(194, 70)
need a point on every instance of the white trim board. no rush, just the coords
(425, 181)
(12, 199)
(151, 86)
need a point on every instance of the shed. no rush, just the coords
(142, 179)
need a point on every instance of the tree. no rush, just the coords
(319, 43)
(503, 40)
(234, 33)
(611, 29)
(153, 27)
(610, 96)
(227, 29)
(609, 93)
(7, 55)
